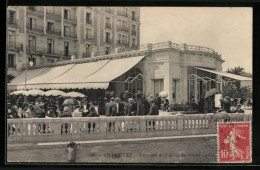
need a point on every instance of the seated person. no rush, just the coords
(38, 111)
(77, 112)
(92, 112)
(29, 112)
(51, 112)
(239, 110)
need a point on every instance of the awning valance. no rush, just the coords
(225, 74)
(86, 75)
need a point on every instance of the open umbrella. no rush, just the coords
(34, 93)
(70, 101)
(54, 93)
(74, 94)
(163, 94)
(211, 92)
(18, 92)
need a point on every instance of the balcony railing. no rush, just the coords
(70, 34)
(54, 14)
(69, 54)
(135, 46)
(108, 25)
(70, 18)
(89, 21)
(86, 55)
(122, 28)
(14, 45)
(12, 22)
(37, 130)
(133, 32)
(53, 32)
(89, 37)
(122, 13)
(36, 9)
(122, 42)
(134, 18)
(109, 10)
(11, 65)
(36, 49)
(108, 41)
(34, 28)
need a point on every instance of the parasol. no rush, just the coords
(163, 94)
(211, 92)
(70, 101)
(74, 94)
(54, 93)
(34, 93)
(18, 92)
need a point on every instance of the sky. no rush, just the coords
(226, 30)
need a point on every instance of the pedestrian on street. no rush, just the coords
(72, 149)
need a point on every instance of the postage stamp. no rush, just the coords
(234, 142)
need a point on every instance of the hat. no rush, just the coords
(112, 98)
(130, 100)
(117, 98)
(227, 97)
(152, 101)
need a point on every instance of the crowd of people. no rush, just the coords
(20, 106)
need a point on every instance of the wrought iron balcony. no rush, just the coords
(39, 10)
(108, 25)
(122, 28)
(14, 45)
(109, 10)
(134, 18)
(86, 55)
(135, 46)
(122, 42)
(34, 28)
(122, 13)
(54, 14)
(70, 34)
(89, 21)
(12, 22)
(53, 32)
(70, 18)
(133, 32)
(35, 49)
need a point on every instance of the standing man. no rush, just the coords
(153, 109)
(108, 107)
(131, 108)
(158, 101)
(119, 107)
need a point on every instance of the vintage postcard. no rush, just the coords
(129, 84)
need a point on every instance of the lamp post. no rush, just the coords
(26, 67)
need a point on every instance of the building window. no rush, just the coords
(32, 23)
(11, 40)
(108, 37)
(11, 17)
(133, 43)
(133, 30)
(88, 50)
(119, 38)
(32, 43)
(158, 86)
(11, 61)
(33, 60)
(174, 83)
(66, 30)
(107, 50)
(88, 18)
(50, 46)
(66, 14)
(50, 26)
(108, 23)
(88, 33)
(66, 48)
(32, 8)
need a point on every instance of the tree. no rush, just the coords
(10, 77)
(237, 70)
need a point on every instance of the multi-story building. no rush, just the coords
(49, 34)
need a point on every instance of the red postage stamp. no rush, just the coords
(234, 142)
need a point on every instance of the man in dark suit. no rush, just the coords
(131, 108)
(119, 107)
(110, 107)
(153, 109)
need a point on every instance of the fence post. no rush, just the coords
(180, 122)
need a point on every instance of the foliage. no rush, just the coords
(237, 70)
(10, 77)
(236, 92)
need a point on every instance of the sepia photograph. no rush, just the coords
(129, 84)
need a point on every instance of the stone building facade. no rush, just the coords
(52, 34)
